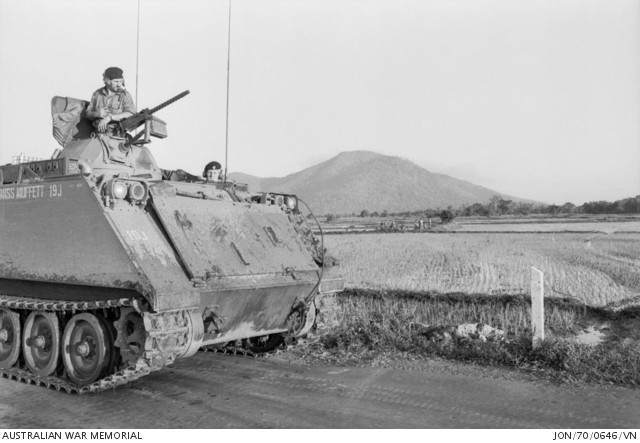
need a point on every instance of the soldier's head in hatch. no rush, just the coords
(212, 171)
(113, 79)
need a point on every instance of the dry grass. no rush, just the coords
(595, 269)
(379, 322)
(510, 313)
(360, 342)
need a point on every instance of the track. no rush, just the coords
(165, 337)
(217, 391)
(165, 340)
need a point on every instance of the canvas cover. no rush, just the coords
(68, 120)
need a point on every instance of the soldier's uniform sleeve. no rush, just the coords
(93, 102)
(128, 105)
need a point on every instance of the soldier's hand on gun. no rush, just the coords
(102, 124)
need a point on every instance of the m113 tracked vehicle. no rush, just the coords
(109, 270)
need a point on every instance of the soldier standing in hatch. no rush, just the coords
(212, 172)
(111, 103)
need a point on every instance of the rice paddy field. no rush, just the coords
(599, 270)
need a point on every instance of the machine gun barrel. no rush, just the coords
(131, 123)
(167, 103)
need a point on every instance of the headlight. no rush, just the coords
(279, 200)
(119, 190)
(290, 202)
(136, 191)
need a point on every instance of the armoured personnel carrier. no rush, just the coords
(111, 269)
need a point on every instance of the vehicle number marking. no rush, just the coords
(55, 190)
(135, 235)
(29, 192)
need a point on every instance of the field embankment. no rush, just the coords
(606, 224)
(378, 323)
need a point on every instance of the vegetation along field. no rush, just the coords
(582, 223)
(550, 226)
(398, 281)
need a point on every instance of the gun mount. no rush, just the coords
(109, 153)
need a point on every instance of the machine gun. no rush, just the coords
(153, 125)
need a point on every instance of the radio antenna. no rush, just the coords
(226, 142)
(137, 51)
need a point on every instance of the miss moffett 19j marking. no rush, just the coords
(27, 192)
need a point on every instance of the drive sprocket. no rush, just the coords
(130, 335)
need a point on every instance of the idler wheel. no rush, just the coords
(263, 343)
(9, 337)
(87, 349)
(195, 333)
(301, 321)
(41, 343)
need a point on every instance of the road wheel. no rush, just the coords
(41, 343)
(114, 359)
(263, 343)
(87, 349)
(9, 338)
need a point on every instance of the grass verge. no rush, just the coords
(375, 322)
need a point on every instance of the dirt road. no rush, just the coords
(218, 391)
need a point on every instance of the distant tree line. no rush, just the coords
(500, 206)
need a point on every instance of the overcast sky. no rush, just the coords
(536, 99)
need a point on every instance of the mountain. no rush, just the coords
(356, 180)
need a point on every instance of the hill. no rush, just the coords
(357, 180)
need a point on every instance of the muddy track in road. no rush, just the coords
(217, 391)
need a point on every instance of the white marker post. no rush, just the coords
(537, 306)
